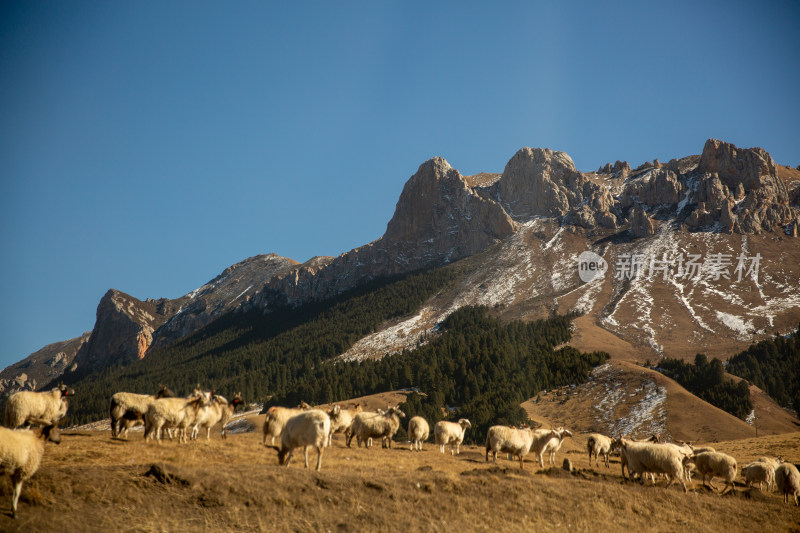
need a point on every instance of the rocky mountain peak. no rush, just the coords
(538, 182)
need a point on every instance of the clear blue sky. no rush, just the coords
(146, 146)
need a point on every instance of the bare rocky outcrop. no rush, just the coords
(740, 189)
(653, 188)
(41, 367)
(641, 224)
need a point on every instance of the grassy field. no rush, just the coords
(91, 482)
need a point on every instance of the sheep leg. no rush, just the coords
(522, 462)
(319, 458)
(305, 455)
(288, 458)
(17, 480)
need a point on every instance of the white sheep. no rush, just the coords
(541, 441)
(178, 413)
(277, 417)
(787, 478)
(372, 425)
(759, 472)
(128, 408)
(42, 408)
(342, 421)
(21, 454)
(598, 445)
(648, 458)
(505, 439)
(553, 445)
(451, 434)
(308, 428)
(218, 411)
(713, 464)
(418, 432)
(774, 462)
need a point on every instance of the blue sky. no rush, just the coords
(146, 146)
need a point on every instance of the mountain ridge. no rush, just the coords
(541, 205)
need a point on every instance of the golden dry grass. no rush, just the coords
(93, 483)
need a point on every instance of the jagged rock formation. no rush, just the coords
(442, 216)
(42, 366)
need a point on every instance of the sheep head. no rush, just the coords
(464, 423)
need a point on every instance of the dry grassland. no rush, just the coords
(93, 483)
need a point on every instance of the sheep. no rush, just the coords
(308, 428)
(418, 432)
(553, 445)
(774, 462)
(645, 457)
(21, 454)
(787, 478)
(277, 417)
(42, 408)
(759, 472)
(342, 421)
(714, 464)
(369, 425)
(218, 410)
(177, 413)
(128, 408)
(541, 439)
(505, 439)
(598, 445)
(451, 434)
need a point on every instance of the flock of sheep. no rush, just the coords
(304, 427)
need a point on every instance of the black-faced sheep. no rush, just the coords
(21, 454)
(308, 428)
(42, 408)
(418, 432)
(451, 434)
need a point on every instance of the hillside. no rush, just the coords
(93, 483)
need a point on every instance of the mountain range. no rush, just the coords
(699, 254)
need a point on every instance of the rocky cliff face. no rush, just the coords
(442, 216)
(42, 366)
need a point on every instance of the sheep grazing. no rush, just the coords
(787, 478)
(218, 411)
(342, 421)
(505, 439)
(21, 454)
(418, 432)
(451, 434)
(759, 472)
(178, 413)
(648, 458)
(368, 425)
(713, 464)
(42, 408)
(128, 408)
(277, 417)
(598, 445)
(555, 444)
(308, 428)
